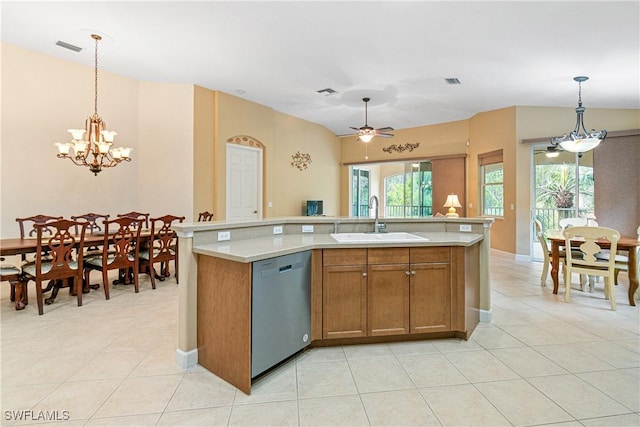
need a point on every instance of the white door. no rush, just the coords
(244, 182)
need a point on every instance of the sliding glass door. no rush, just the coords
(562, 187)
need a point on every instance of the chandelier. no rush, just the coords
(92, 146)
(579, 140)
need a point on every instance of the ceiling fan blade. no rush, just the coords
(385, 129)
(351, 127)
(384, 135)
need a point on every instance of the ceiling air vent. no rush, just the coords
(68, 46)
(452, 81)
(326, 91)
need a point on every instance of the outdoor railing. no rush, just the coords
(550, 217)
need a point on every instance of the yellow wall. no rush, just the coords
(285, 186)
(489, 131)
(204, 146)
(436, 140)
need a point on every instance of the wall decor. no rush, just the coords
(300, 160)
(401, 148)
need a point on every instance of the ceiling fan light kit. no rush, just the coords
(366, 133)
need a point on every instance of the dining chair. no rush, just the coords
(591, 243)
(12, 274)
(143, 218)
(546, 253)
(622, 261)
(205, 216)
(119, 252)
(577, 222)
(163, 248)
(61, 266)
(92, 221)
(27, 231)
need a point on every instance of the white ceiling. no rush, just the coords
(398, 53)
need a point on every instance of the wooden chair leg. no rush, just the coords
(77, 283)
(105, 283)
(152, 274)
(567, 285)
(39, 297)
(136, 278)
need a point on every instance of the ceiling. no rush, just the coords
(398, 53)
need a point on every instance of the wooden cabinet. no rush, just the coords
(386, 291)
(344, 293)
(430, 289)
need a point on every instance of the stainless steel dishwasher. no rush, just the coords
(280, 309)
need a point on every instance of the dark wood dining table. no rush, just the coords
(19, 246)
(626, 243)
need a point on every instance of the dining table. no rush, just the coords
(28, 245)
(626, 244)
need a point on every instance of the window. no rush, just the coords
(360, 192)
(409, 194)
(492, 183)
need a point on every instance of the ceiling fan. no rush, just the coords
(366, 132)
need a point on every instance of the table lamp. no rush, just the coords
(452, 203)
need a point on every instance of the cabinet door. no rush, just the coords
(430, 297)
(388, 299)
(344, 301)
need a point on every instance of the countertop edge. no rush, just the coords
(239, 251)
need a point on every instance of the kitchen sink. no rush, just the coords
(396, 237)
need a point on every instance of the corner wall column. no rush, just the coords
(485, 278)
(187, 351)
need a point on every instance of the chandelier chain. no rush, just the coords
(95, 105)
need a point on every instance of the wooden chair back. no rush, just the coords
(587, 262)
(205, 216)
(28, 222)
(120, 250)
(143, 218)
(92, 221)
(163, 246)
(121, 243)
(55, 256)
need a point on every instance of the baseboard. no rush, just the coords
(485, 316)
(523, 258)
(186, 359)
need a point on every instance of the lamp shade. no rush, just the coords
(580, 145)
(452, 203)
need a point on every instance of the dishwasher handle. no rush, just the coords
(274, 270)
(285, 268)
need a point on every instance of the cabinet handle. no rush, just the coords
(364, 274)
(413, 272)
(408, 273)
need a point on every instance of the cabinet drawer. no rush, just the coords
(344, 256)
(388, 256)
(438, 254)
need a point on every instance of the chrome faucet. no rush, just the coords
(377, 227)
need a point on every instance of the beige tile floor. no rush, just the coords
(541, 362)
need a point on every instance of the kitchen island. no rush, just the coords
(433, 286)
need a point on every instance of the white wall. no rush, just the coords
(165, 157)
(43, 96)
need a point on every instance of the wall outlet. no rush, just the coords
(307, 228)
(277, 229)
(465, 227)
(224, 235)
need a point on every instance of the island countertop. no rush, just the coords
(249, 250)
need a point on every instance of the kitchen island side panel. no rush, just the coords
(224, 319)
